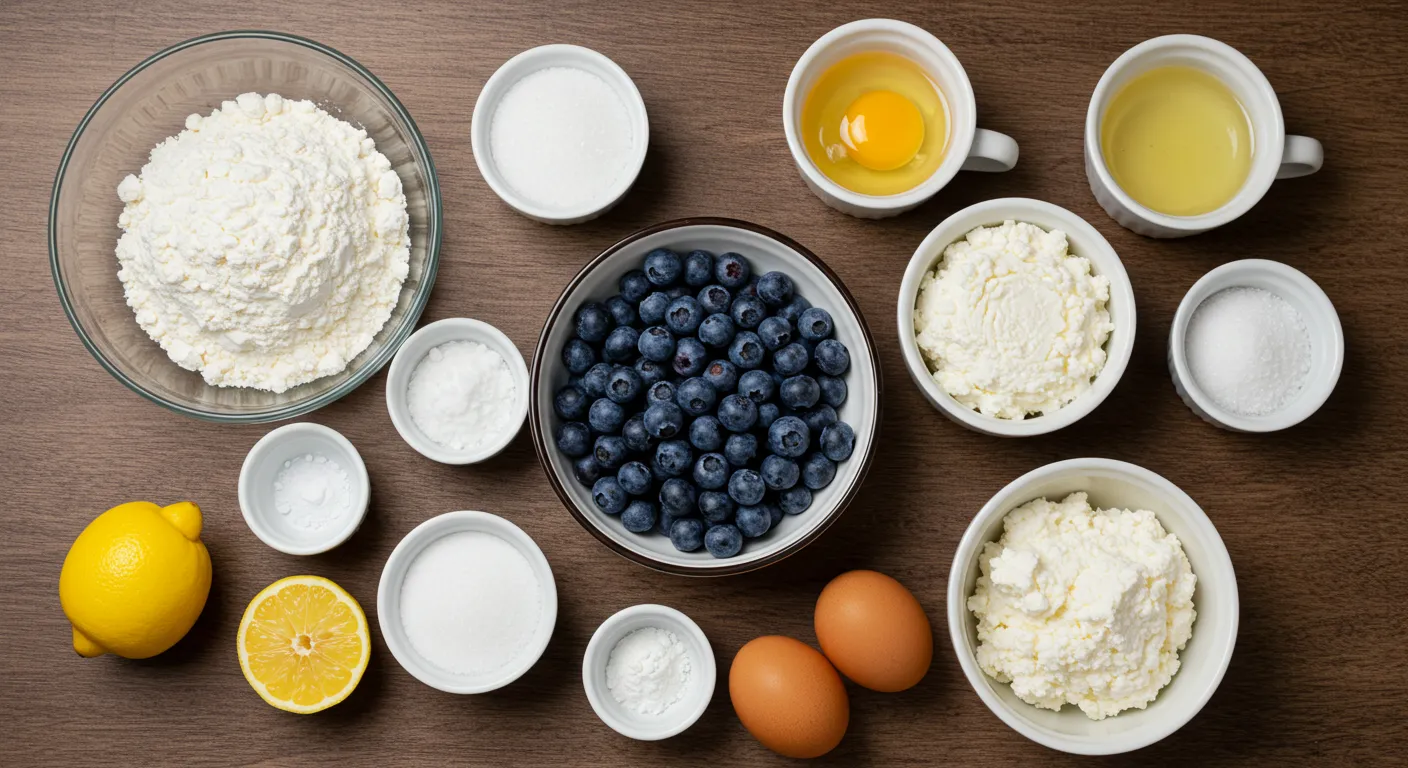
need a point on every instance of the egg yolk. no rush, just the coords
(882, 130)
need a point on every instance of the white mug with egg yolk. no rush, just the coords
(970, 148)
(1276, 155)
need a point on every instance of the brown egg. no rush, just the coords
(874, 631)
(788, 696)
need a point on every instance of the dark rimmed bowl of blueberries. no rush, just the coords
(705, 397)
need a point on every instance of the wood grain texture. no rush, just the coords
(1312, 517)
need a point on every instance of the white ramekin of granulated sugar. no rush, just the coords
(560, 133)
(1256, 346)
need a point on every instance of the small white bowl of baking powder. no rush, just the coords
(303, 489)
(649, 672)
(457, 391)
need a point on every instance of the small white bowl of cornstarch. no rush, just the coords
(649, 672)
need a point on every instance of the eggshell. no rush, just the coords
(874, 631)
(788, 696)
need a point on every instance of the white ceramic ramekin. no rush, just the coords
(684, 712)
(1275, 155)
(1084, 241)
(970, 148)
(1321, 320)
(415, 348)
(1203, 662)
(261, 469)
(388, 601)
(528, 62)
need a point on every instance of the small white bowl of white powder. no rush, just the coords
(649, 672)
(457, 391)
(303, 489)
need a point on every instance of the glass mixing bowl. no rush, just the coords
(150, 103)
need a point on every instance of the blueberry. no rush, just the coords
(677, 291)
(800, 392)
(748, 312)
(815, 324)
(652, 308)
(717, 330)
(753, 521)
(649, 370)
(794, 309)
(715, 506)
(608, 496)
(833, 390)
(738, 413)
(637, 439)
(775, 332)
(740, 450)
(595, 381)
(699, 268)
(706, 433)
(832, 358)
(695, 396)
(677, 497)
(731, 270)
(751, 288)
(746, 352)
(723, 541)
(570, 403)
(610, 451)
(663, 420)
(586, 470)
(606, 417)
(789, 437)
(722, 374)
(639, 516)
(746, 487)
(818, 471)
(791, 359)
(714, 299)
(819, 418)
(795, 500)
(690, 357)
(634, 286)
(621, 345)
(757, 386)
(711, 471)
(774, 514)
(683, 316)
(660, 392)
(767, 414)
(687, 535)
(673, 458)
(780, 473)
(593, 322)
(574, 439)
(838, 441)
(578, 356)
(775, 289)
(624, 385)
(663, 267)
(622, 311)
(662, 525)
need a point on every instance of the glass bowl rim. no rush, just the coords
(418, 300)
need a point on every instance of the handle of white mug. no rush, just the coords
(1301, 157)
(992, 152)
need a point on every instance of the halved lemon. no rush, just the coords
(303, 644)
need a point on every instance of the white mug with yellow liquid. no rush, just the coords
(1185, 134)
(879, 115)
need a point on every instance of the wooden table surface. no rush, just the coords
(1313, 517)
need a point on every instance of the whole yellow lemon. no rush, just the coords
(135, 579)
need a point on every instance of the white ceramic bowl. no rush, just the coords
(1084, 241)
(388, 601)
(1204, 661)
(765, 250)
(416, 348)
(1321, 320)
(528, 62)
(261, 468)
(684, 712)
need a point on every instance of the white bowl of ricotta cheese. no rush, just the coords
(1104, 595)
(1016, 317)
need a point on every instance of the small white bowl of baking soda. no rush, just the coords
(649, 672)
(303, 489)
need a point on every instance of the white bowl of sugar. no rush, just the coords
(560, 133)
(1256, 346)
(467, 602)
(303, 489)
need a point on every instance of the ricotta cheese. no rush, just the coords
(1082, 606)
(265, 245)
(1011, 323)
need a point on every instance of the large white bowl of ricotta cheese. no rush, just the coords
(1201, 663)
